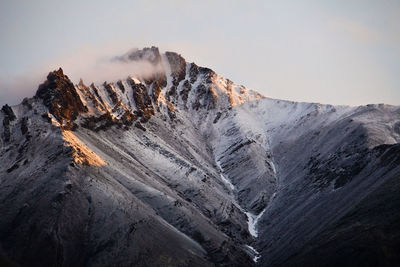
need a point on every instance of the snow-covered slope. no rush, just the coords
(184, 167)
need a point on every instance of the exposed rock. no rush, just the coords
(46, 117)
(26, 102)
(142, 100)
(184, 93)
(96, 92)
(80, 152)
(60, 96)
(111, 93)
(209, 74)
(6, 129)
(158, 83)
(89, 96)
(24, 125)
(217, 117)
(13, 167)
(193, 72)
(151, 55)
(178, 67)
(171, 111)
(229, 85)
(8, 117)
(206, 97)
(121, 86)
(171, 94)
(128, 118)
(8, 112)
(140, 126)
(396, 127)
(102, 122)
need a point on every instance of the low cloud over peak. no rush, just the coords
(91, 64)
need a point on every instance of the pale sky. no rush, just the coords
(336, 52)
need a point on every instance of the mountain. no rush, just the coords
(183, 167)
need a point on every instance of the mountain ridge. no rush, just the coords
(183, 154)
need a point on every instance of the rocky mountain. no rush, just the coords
(186, 168)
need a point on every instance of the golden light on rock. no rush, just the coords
(80, 152)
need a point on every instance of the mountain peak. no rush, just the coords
(189, 168)
(150, 54)
(59, 72)
(175, 85)
(61, 98)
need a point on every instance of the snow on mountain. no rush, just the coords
(184, 167)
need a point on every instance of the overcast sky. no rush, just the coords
(338, 52)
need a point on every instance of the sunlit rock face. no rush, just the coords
(184, 167)
(61, 98)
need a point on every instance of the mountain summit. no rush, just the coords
(184, 167)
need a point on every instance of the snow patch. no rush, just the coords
(167, 68)
(255, 253)
(224, 179)
(253, 220)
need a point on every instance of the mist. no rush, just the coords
(91, 64)
(100, 65)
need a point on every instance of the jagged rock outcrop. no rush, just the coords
(8, 112)
(150, 54)
(178, 67)
(6, 129)
(153, 56)
(8, 117)
(144, 105)
(61, 98)
(121, 86)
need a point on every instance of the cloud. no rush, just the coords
(100, 64)
(91, 64)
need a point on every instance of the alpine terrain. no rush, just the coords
(183, 167)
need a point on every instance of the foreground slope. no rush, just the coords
(334, 167)
(184, 167)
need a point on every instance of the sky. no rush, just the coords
(334, 52)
